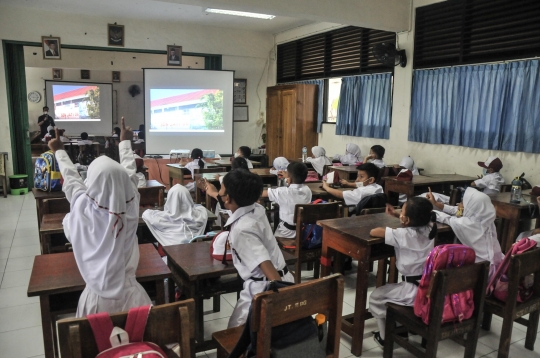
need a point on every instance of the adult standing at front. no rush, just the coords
(44, 121)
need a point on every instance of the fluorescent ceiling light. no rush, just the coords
(240, 13)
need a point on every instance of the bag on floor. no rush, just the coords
(115, 342)
(312, 233)
(47, 175)
(498, 285)
(457, 306)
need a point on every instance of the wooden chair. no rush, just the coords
(210, 170)
(152, 195)
(520, 265)
(308, 214)
(324, 296)
(445, 282)
(167, 324)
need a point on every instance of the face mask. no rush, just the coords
(360, 184)
(221, 202)
(459, 212)
(45, 112)
(484, 171)
(236, 155)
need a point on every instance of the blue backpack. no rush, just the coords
(47, 176)
(312, 233)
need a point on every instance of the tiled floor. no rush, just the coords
(20, 323)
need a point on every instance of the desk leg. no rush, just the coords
(46, 326)
(170, 181)
(170, 283)
(360, 301)
(160, 292)
(326, 258)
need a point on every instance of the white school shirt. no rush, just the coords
(138, 141)
(353, 197)
(287, 198)
(412, 246)
(491, 183)
(192, 166)
(249, 163)
(141, 183)
(85, 142)
(378, 162)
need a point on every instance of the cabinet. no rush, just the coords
(291, 120)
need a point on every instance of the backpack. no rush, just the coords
(370, 202)
(498, 285)
(114, 342)
(87, 156)
(458, 306)
(300, 338)
(312, 233)
(47, 175)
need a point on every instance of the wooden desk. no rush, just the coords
(191, 266)
(512, 213)
(319, 193)
(345, 172)
(40, 195)
(58, 283)
(440, 183)
(267, 177)
(350, 236)
(200, 197)
(153, 194)
(73, 150)
(177, 171)
(227, 163)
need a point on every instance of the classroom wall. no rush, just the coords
(434, 158)
(246, 52)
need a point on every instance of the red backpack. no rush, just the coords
(114, 342)
(458, 306)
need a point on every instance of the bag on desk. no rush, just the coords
(47, 175)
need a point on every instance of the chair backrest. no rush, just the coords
(271, 309)
(455, 197)
(311, 213)
(505, 188)
(56, 206)
(446, 282)
(522, 265)
(152, 195)
(375, 210)
(371, 202)
(169, 323)
(210, 170)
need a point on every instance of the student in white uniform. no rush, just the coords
(491, 180)
(412, 243)
(319, 159)
(50, 135)
(84, 139)
(532, 234)
(473, 223)
(255, 251)
(244, 152)
(376, 155)
(195, 163)
(280, 164)
(102, 226)
(288, 196)
(141, 179)
(140, 138)
(365, 184)
(407, 163)
(352, 155)
(63, 138)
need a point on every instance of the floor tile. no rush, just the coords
(24, 251)
(16, 278)
(3, 263)
(225, 310)
(18, 317)
(33, 232)
(492, 338)
(231, 298)
(26, 342)
(214, 326)
(28, 224)
(26, 240)
(4, 253)
(20, 263)
(15, 296)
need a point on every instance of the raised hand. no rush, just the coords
(390, 210)
(430, 196)
(55, 143)
(126, 133)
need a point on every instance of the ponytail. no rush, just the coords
(433, 231)
(201, 163)
(420, 212)
(196, 153)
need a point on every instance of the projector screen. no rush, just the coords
(186, 109)
(80, 106)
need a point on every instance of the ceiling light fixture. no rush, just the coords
(240, 13)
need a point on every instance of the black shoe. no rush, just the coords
(377, 338)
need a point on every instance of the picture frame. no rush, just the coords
(240, 114)
(174, 55)
(115, 35)
(85, 74)
(116, 76)
(239, 91)
(57, 74)
(51, 48)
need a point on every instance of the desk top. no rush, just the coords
(434, 179)
(153, 183)
(228, 163)
(180, 166)
(345, 168)
(359, 227)
(504, 199)
(58, 273)
(316, 189)
(195, 262)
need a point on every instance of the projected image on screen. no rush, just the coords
(72, 103)
(186, 110)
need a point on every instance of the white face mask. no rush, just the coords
(236, 155)
(359, 184)
(45, 112)
(484, 171)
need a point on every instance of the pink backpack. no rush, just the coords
(458, 306)
(114, 342)
(498, 285)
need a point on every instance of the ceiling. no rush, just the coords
(161, 11)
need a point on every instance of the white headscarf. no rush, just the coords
(102, 227)
(408, 163)
(320, 159)
(352, 155)
(180, 220)
(280, 163)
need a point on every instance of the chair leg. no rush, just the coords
(389, 334)
(486, 321)
(470, 344)
(431, 348)
(298, 271)
(506, 336)
(316, 269)
(217, 303)
(381, 273)
(310, 265)
(532, 330)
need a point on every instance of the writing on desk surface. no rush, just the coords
(296, 305)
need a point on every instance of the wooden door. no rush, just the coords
(274, 132)
(288, 119)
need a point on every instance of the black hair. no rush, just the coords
(243, 186)
(298, 172)
(84, 136)
(117, 130)
(45, 107)
(52, 133)
(379, 150)
(246, 152)
(239, 163)
(196, 153)
(371, 170)
(141, 135)
(420, 212)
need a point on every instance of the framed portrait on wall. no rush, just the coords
(240, 114)
(239, 91)
(116, 76)
(115, 35)
(57, 73)
(51, 48)
(174, 55)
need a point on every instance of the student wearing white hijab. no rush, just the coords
(102, 226)
(473, 223)
(279, 164)
(319, 159)
(407, 163)
(352, 155)
(180, 221)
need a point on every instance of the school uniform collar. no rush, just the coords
(240, 212)
(296, 186)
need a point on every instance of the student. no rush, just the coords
(195, 163)
(63, 138)
(180, 221)
(116, 132)
(319, 159)
(84, 139)
(140, 138)
(139, 162)
(531, 234)
(102, 226)
(412, 243)
(376, 154)
(244, 152)
(256, 254)
(237, 163)
(408, 164)
(365, 184)
(491, 180)
(280, 164)
(288, 196)
(49, 136)
(352, 155)
(473, 224)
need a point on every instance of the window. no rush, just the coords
(332, 98)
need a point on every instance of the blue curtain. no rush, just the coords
(365, 106)
(320, 107)
(484, 106)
